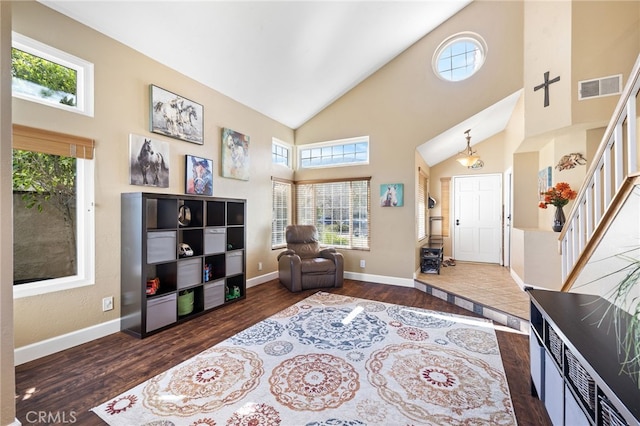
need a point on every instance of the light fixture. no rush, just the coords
(467, 157)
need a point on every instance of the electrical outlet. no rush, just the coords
(259, 266)
(363, 263)
(107, 303)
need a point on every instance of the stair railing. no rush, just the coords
(615, 160)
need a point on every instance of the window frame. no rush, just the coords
(467, 36)
(283, 145)
(27, 138)
(421, 214)
(274, 210)
(84, 74)
(331, 144)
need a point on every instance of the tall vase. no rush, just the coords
(558, 219)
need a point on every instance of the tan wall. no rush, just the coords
(405, 104)
(122, 78)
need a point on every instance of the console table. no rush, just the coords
(575, 367)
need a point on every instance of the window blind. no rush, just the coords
(281, 211)
(48, 142)
(422, 206)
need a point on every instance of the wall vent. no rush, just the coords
(599, 87)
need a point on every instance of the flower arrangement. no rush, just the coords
(558, 195)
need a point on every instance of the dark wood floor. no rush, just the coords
(71, 382)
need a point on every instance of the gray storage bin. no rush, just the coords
(161, 246)
(213, 294)
(214, 240)
(234, 262)
(189, 272)
(161, 311)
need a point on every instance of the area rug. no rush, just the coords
(333, 360)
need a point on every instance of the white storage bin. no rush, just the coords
(573, 414)
(214, 240)
(161, 246)
(213, 294)
(189, 272)
(161, 311)
(234, 261)
(553, 388)
(536, 352)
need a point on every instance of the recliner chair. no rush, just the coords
(304, 265)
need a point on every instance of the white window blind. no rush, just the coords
(339, 209)
(281, 211)
(422, 206)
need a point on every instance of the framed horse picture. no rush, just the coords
(148, 161)
(392, 195)
(199, 175)
(175, 116)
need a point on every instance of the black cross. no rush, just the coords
(546, 84)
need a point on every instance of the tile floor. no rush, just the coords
(486, 289)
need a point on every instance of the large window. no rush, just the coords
(281, 211)
(344, 152)
(339, 209)
(43, 74)
(53, 211)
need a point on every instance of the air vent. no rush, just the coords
(605, 86)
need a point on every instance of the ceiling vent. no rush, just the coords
(599, 87)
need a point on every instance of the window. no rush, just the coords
(339, 209)
(280, 153)
(459, 57)
(43, 74)
(343, 152)
(422, 206)
(53, 211)
(281, 211)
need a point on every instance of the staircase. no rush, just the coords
(609, 182)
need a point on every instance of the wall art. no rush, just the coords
(235, 155)
(148, 161)
(544, 182)
(198, 175)
(175, 116)
(570, 161)
(392, 195)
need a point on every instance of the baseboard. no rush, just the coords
(252, 282)
(380, 279)
(59, 343)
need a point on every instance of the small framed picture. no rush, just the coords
(198, 175)
(148, 161)
(392, 195)
(175, 116)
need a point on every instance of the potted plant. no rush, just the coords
(558, 196)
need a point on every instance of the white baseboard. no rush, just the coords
(252, 282)
(380, 279)
(59, 343)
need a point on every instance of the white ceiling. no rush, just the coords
(285, 59)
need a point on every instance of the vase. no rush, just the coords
(558, 219)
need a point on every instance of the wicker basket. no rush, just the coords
(581, 380)
(609, 415)
(555, 345)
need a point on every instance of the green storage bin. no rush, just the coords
(185, 302)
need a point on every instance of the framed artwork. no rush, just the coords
(235, 155)
(392, 195)
(198, 175)
(544, 182)
(175, 116)
(148, 161)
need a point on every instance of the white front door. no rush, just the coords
(477, 220)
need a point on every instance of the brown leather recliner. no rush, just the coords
(304, 265)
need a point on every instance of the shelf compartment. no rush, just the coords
(216, 266)
(166, 274)
(234, 263)
(189, 272)
(190, 302)
(235, 238)
(555, 345)
(216, 213)
(233, 283)
(213, 294)
(161, 246)
(235, 213)
(161, 213)
(581, 381)
(215, 240)
(161, 311)
(196, 213)
(193, 237)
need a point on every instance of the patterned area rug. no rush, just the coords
(333, 360)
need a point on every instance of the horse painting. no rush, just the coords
(391, 195)
(200, 180)
(235, 155)
(149, 162)
(175, 116)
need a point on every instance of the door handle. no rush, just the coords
(457, 222)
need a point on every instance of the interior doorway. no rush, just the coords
(477, 219)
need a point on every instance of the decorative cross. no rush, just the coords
(546, 84)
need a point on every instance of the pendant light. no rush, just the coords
(468, 157)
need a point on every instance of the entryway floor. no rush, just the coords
(484, 288)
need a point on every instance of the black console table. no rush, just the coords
(575, 367)
(431, 255)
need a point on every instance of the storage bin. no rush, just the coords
(161, 246)
(581, 380)
(161, 311)
(185, 302)
(213, 294)
(555, 345)
(536, 356)
(234, 261)
(189, 272)
(214, 240)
